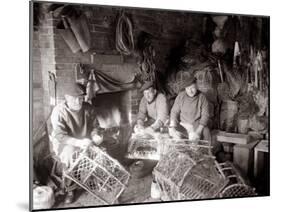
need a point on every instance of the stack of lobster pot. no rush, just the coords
(186, 173)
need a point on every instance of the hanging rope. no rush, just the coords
(124, 35)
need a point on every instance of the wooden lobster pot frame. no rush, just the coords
(237, 186)
(153, 148)
(187, 174)
(143, 148)
(99, 174)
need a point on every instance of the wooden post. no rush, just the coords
(243, 157)
(260, 149)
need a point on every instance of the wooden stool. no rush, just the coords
(260, 149)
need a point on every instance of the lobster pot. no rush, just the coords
(99, 174)
(203, 181)
(238, 190)
(153, 148)
(188, 174)
(194, 149)
(141, 147)
(237, 186)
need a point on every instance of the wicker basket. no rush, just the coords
(99, 174)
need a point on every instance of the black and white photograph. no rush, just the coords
(134, 105)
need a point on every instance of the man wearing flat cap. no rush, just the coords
(75, 127)
(153, 109)
(190, 113)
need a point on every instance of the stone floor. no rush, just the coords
(138, 188)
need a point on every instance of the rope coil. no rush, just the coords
(124, 35)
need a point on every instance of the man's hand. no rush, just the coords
(84, 143)
(193, 136)
(174, 133)
(189, 127)
(97, 139)
(199, 130)
(149, 130)
(196, 135)
(138, 128)
(66, 155)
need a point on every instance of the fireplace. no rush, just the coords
(114, 116)
(113, 109)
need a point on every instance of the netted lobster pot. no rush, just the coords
(236, 186)
(153, 148)
(238, 190)
(188, 174)
(99, 174)
(194, 149)
(143, 147)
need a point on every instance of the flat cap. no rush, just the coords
(75, 89)
(188, 82)
(146, 85)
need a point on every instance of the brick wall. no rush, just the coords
(51, 53)
(42, 63)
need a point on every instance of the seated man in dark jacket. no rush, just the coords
(153, 109)
(75, 126)
(190, 114)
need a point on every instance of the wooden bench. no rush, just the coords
(234, 138)
(243, 149)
